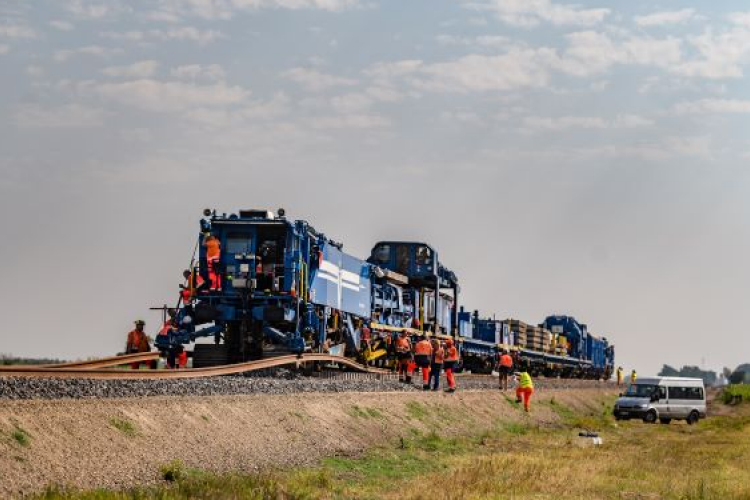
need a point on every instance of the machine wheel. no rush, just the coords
(650, 417)
(206, 355)
(665, 421)
(693, 418)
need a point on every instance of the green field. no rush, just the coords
(515, 461)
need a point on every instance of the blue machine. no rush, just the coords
(285, 288)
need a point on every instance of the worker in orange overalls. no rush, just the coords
(438, 358)
(403, 353)
(423, 358)
(505, 366)
(451, 360)
(213, 254)
(138, 342)
(524, 390)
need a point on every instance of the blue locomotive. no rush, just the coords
(275, 286)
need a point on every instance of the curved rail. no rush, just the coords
(77, 372)
(125, 359)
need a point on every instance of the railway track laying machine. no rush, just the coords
(280, 287)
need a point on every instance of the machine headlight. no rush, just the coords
(187, 320)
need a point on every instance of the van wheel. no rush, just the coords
(665, 420)
(693, 418)
(650, 417)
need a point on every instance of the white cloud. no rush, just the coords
(84, 9)
(211, 72)
(90, 50)
(132, 36)
(529, 13)
(703, 106)
(61, 25)
(176, 10)
(584, 122)
(351, 121)
(168, 96)
(16, 31)
(351, 103)
(316, 81)
(66, 116)
(722, 54)
(478, 41)
(590, 52)
(202, 37)
(666, 17)
(140, 69)
(740, 18)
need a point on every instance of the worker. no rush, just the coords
(620, 375)
(633, 376)
(213, 254)
(524, 390)
(451, 360)
(193, 285)
(438, 358)
(138, 342)
(403, 353)
(505, 367)
(423, 358)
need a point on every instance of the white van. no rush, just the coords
(663, 399)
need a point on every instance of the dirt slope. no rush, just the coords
(121, 442)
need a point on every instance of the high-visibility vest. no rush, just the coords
(452, 354)
(423, 348)
(213, 248)
(633, 377)
(439, 356)
(506, 361)
(524, 381)
(403, 344)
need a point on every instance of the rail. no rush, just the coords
(99, 373)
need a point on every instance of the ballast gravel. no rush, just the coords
(279, 382)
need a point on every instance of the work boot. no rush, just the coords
(401, 379)
(434, 389)
(426, 387)
(450, 389)
(408, 379)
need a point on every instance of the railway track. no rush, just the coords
(97, 369)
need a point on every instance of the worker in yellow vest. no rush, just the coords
(524, 390)
(633, 377)
(620, 375)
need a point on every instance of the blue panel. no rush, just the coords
(341, 282)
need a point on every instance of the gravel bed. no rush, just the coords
(279, 381)
(283, 383)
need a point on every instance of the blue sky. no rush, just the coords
(585, 157)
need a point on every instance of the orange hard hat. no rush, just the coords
(448, 342)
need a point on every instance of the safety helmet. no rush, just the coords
(449, 342)
(140, 322)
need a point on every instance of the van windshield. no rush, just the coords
(640, 390)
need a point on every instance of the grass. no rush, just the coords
(736, 393)
(365, 413)
(519, 459)
(125, 426)
(21, 436)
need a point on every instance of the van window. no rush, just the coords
(693, 393)
(640, 390)
(677, 393)
(662, 391)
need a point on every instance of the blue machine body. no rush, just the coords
(282, 282)
(287, 288)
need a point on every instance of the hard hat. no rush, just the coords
(448, 341)
(140, 322)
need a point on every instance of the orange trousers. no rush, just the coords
(524, 393)
(451, 379)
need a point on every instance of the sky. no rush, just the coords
(586, 158)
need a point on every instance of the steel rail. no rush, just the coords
(125, 359)
(70, 373)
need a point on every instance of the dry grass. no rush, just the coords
(518, 460)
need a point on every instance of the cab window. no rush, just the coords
(238, 243)
(383, 254)
(424, 255)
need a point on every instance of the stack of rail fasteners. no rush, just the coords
(538, 338)
(562, 346)
(518, 331)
